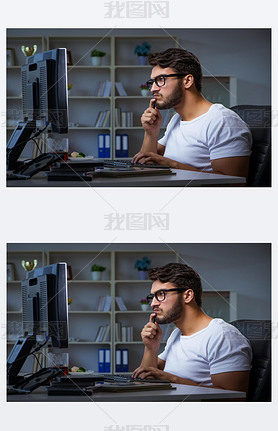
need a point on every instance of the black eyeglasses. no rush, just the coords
(160, 80)
(159, 295)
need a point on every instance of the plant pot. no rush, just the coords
(145, 92)
(142, 60)
(145, 307)
(96, 275)
(143, 275)
(96, 61)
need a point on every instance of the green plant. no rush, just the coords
(144, 87)
(98, 268)
(96, 53)
(143, 49)
(143, 264)
(144, 301)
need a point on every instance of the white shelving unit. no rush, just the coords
(119, 279)
(120, 64)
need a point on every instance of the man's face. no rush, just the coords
(169, 95)
(171, 309)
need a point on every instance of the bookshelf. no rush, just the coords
(120, 64)
(120, 279)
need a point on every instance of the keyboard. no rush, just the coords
(128, 164)
(93, 378)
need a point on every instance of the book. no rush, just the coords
(100, 333)
(131, 386)
(120, 89)
(98, 119)
(106, 333)
(107, 303)
(118, 330)
(120, 303)
(106, 119)
(107, 89)
(117, 117)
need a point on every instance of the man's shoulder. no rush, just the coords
(219, 329)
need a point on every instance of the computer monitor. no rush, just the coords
(45, 315)
(44, 100)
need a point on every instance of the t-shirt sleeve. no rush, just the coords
(229, 351)
(171, 124)
(229, 136)
(170, 341)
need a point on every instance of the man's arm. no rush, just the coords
(233, 381)
(235, 166)
(151, 335)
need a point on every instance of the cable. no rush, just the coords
(39, 132)
(37, 359)
(31, 353)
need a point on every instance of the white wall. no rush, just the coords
(244, 268)
(244, 53)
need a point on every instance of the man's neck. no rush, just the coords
(194, 321)
(194, 106)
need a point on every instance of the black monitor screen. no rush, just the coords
(44, 303)
(44, 100)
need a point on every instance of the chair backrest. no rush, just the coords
(258, 333)
(258, 117)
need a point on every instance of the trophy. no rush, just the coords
(29, 50)
(29, 265)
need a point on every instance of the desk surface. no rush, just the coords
(182, 178)
(181, 393)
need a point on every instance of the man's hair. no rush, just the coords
(181, 60)
(179, 275)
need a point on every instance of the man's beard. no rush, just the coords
(173, 100)
(172, 315)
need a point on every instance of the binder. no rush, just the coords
(118, 145)
(101, 359)
(101, 146)
(125, 360)
(124, 145)
(106, 146)
(118, 361)
(107, 360)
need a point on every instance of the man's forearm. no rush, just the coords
(149, 143)
(149, 358)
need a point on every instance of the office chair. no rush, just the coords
(258, 117)
(258, 333)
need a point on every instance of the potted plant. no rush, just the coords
(69, 302)
(144, 304)
(97, 57)
(97, 271)
(143, 265)
(142, 51)
(144, 90)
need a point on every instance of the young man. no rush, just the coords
(201, 136)
(201, 350)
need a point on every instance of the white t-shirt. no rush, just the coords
(218, 133)
(218, 348)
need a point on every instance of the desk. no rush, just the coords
(182, 178)
(181, 393)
